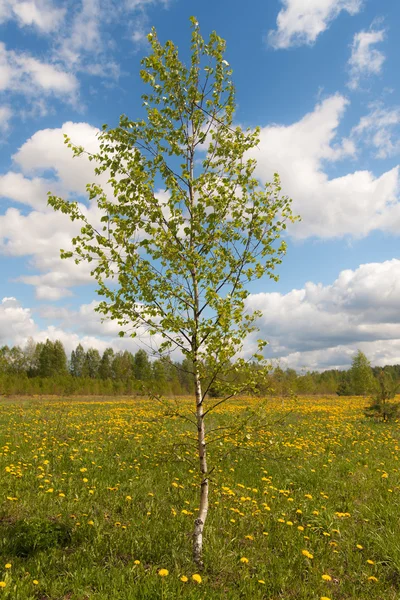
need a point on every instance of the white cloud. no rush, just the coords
(30, 192)
(23, 74)
(86, 45)
(365, 60)
(302, 21)
(72, 327)
(46, 151)
(84, 33)
(16, 323)
(40, 14)
(379, 129)
(316, 327)
(41, 233)
(5, 118)
(322, 325)
(350, 205)
(353, 204)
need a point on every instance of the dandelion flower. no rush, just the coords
(197, 578)
(2, 584)
(8, 566)
(184, 579)
(326, 577)
(370, 562)
(307, 554)
(35, 582)
(136, 562)
(372, 578)
(163, 572)
(359, 547)
(261, 581)
(244, 559)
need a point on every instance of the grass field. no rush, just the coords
(97, 496)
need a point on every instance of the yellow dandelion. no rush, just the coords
(359, 547)
(370, 562)
(136, 562)
(2, 584)
(184, 579)
(372, 578)
(163, 572)
(326, 577)
(197, 578)
(8, 566)
(307, 554)
(261, 581)
(324, 598)
(244, 560)
(35, 582)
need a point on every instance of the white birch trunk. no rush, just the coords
(203, 509)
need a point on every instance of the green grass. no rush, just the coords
(88, 488)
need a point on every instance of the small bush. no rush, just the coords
(382, 407)
(26, 537)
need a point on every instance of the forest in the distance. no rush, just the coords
(45, 368)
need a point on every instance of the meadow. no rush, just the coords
(97, 501)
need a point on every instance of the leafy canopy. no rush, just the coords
(178, 263)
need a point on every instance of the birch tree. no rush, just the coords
(179, 263)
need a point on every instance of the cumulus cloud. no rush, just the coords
(78, 41)
(41, 233)
(21, 73)
(316, 327)
(365, 60)
(81, 326)
(322, 325)
(42, 15)
(16, 322)
(5, 118)
(17, 325)
(379, 129)
(302, 21)
(86, 45)
(353, 204)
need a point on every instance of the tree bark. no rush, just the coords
(203, 508)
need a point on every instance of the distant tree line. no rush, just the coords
(44, 368)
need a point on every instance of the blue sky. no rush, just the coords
(321, 79)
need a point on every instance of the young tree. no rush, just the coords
(141, 366)
(382, 405)
(92, 363)
(77, 362)
(361, 378)
(178, 264)
(30, 357)
(122, 366)
(106, 364)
